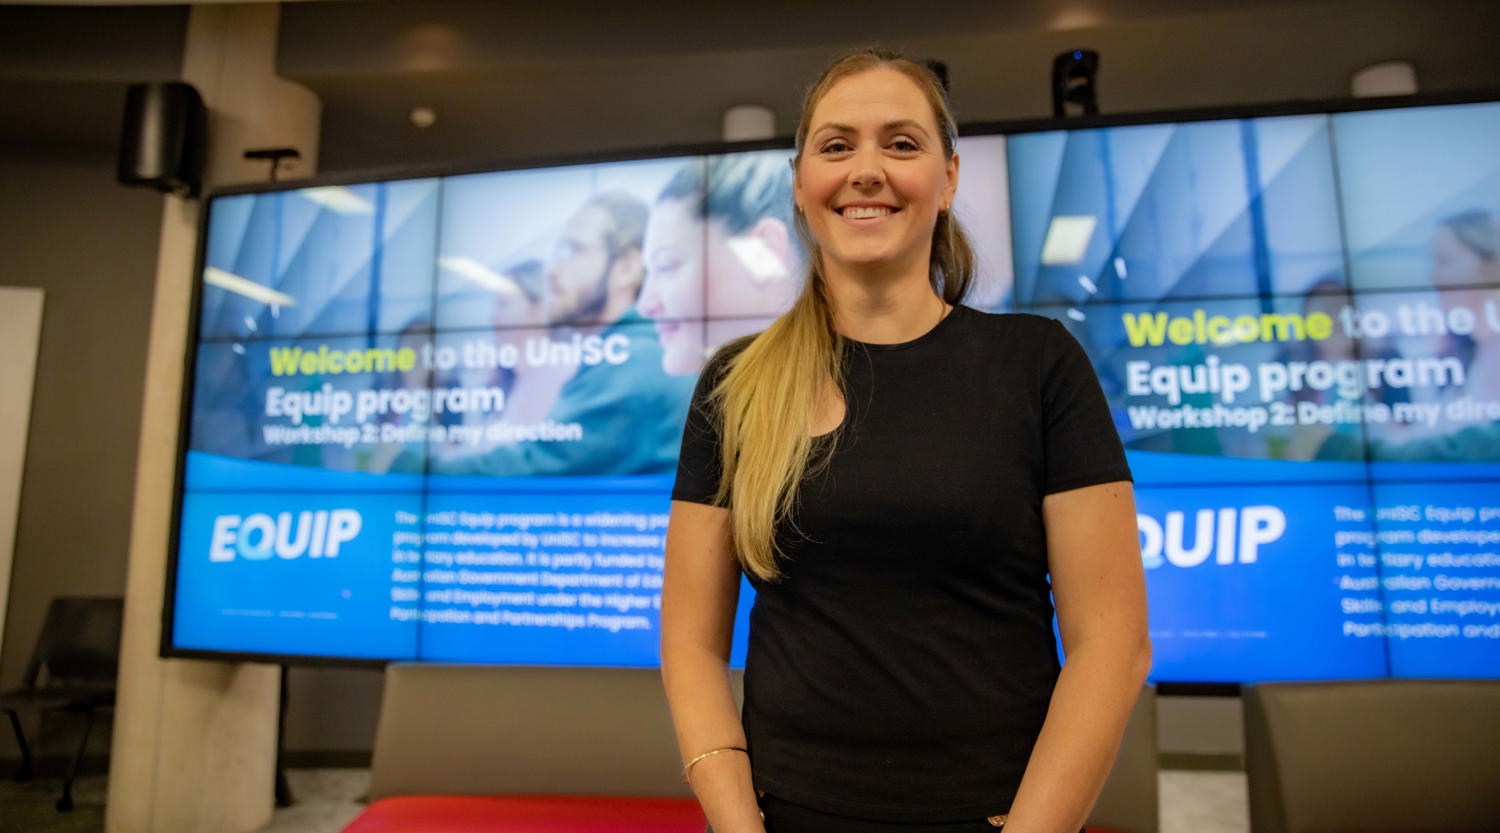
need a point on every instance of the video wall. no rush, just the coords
(438, 418)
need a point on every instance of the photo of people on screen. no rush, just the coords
(414, 336)
(719, 244)
(1329, 296)
(566, 413)
(1466, 259)
(523, 300)
(1465, 251)
(1456, 327)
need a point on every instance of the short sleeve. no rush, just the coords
(1081, 445)
(699, 465)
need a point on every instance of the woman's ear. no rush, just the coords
(796, 186)
(761, 262)
(777, 237)
(951, 188)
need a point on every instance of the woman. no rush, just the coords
(1466, 256)
(899, 475)
(1464, 251)
(729, 236)
(1466, 273)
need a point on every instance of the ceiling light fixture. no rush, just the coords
(476, 272)
(1068, 239)
(423, 117)
(338, 199)
(246, 287)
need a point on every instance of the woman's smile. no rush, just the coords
(866, 212)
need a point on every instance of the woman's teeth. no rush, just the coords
(862, 212)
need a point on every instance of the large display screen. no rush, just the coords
(438, 418)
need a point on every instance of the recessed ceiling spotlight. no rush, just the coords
(423, 117)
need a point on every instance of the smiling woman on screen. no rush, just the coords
(727, 236)
(909, 484)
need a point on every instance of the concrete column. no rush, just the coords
(195, 741)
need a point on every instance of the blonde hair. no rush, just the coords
(771, 390)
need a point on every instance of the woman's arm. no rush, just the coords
(697, 621)
(1093, 553)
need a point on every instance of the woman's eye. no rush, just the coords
(836, 146)
(905, 145)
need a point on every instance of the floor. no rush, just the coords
(327, 799)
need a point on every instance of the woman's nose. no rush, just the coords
(867, 171)
(648, 304)
(867, 176)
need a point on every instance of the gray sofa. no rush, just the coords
(477, 749)
(479, 730)
(1377, 756)
(555, 746)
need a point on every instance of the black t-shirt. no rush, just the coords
(901, 667)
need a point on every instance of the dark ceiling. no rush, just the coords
(514, 80)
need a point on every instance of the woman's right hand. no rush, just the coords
(699, 596)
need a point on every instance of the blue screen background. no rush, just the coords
(1338, 516)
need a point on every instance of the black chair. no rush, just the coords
(72, 669)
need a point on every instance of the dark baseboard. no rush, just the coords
(327, 759)
(55, 766)
(1198, 762)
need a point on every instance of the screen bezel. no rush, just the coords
(167, 648)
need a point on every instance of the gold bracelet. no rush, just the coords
(688, 767)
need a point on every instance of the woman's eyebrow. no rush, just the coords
(888, 127)
(832, 127)
(903, 124)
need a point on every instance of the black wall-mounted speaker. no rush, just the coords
(164, 137)
(1075, 80)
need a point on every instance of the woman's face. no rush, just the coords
(1338, 345)
(673, 291)
(872, 176)
(418, 377)
(749, 273)
(1453, 262)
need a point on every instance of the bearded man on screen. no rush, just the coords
(592, 399)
